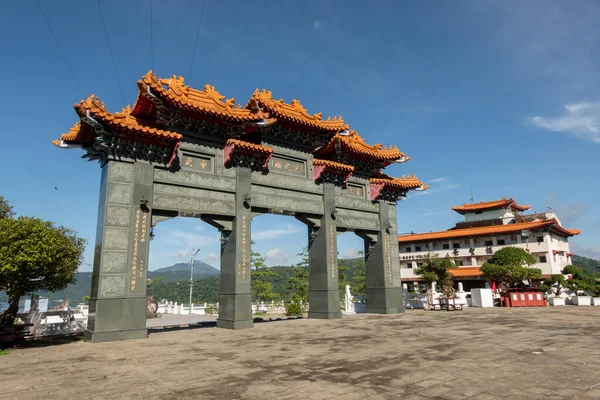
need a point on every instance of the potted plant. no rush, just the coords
(581, 283)
(554, 287)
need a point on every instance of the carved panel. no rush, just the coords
(113, 262)
(120, 171)
(112, 286)
(357, 214)
(116, 238)
(167, 190)
(357, 223)
(258, 189)
(201, 206)
(353, 189)
(287, 182)
(194, 179)
(287, 203)
(355, 203)
(290, 166)
(197, 162)
(118, 216)
(119, 193)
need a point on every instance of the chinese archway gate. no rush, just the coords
(185, 152)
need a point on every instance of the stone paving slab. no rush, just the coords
(541, 353)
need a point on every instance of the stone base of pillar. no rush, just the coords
(235, 311)
(116, 319)
(385, 300)
(324, 304)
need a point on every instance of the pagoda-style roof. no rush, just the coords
(322, 168)
(293, 114)
(383, 182)
(465, 272)
(206, 103)
(94, 117)
(490, 205)
(353, 145)
(551, 225)
(248, 154)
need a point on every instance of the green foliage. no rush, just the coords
(435, 269)
(293, 308)
(589, 265)
(206, 290)
(35, 255)
(581, 280)
(262, 287)
(554, 285)
(297, 285)
(6, 210)
(359, 277)
(4, 352)
(85, 299)
(509, 266)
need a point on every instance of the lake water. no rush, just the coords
(51, 303)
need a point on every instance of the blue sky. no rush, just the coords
(500, 96)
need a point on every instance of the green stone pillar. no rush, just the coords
(323, 286)
(235, 299)
(383, 286)
(118, 298)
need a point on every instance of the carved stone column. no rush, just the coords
(235, 299)
(118, 297)
(383, 286)
(323, 287)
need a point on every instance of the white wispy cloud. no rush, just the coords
(435, 189)
(351, 253)
(211, 258)
(274, 233)
(581, 120)
(318, 25)
(193, 240)
(438, 180)
(277, 256)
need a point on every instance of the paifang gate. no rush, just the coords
(186, 152)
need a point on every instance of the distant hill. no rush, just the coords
(588, 264)
(181, 272)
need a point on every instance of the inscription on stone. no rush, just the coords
(197, 163)
(355, 190)
(244, 258)
(138, 259)
(332, 249)
(388, 256)
(283, 165)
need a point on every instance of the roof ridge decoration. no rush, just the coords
(206, 102)
(386, 186)
(490, 205)
(293, 113)
(331, 171)
(246, 154)
(490, 230)
(356, 145)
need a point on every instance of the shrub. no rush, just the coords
(293, 308)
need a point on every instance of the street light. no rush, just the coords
(192, 276)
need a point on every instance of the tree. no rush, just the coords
(6, 210)
(297, 286)
(509, 266)
(359, 277)
(35, 255)
(580, 280)
(262, 288)
(435, 269)
(554, 285)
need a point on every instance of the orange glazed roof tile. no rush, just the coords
(249, 146)
(123, 119)
(551, 224)
(490, 205)
(356, 145)
(332, 164)
(293, 113)
(465, 272)
(207, 101)
(405, 182)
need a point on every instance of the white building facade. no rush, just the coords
(487, 228)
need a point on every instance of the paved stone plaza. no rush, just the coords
(544, 353)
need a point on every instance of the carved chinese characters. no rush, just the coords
(137, 260)
(244, 261)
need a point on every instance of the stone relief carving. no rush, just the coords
(286, 193)
(167, 190)
(118, 216)
(195, 179)
(116, 238)
(357, 214)
(287, 182)
(119, 193)
(201, 206)
(112, 286)
(356, 203)
(286, 203)
(121, 172)
(355, 223)
(113, 262)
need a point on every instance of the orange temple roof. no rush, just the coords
(551, 224)
(293, 113)
(122, 121)
(208, 101)
(405, 182)
(355, 145)
(253, 147)
(490, 205)
(464, 272)
(332, 164)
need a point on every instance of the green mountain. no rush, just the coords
(181, 272)
(588, 264)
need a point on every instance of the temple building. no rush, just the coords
(180, 151)
(488, 227)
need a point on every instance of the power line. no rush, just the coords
(59, 48)
(151, 38)
(189, 77)
(111, 54)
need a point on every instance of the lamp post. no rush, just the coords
(192, 276)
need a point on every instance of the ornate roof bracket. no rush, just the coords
(393, 189)
(330, 171)
(238, 153)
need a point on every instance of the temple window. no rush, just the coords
(540, 239)
(456, 245)
(408, 249)
(501, 242)
(445, 246)
(489, 243)
(417, 248)
(543, 259)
